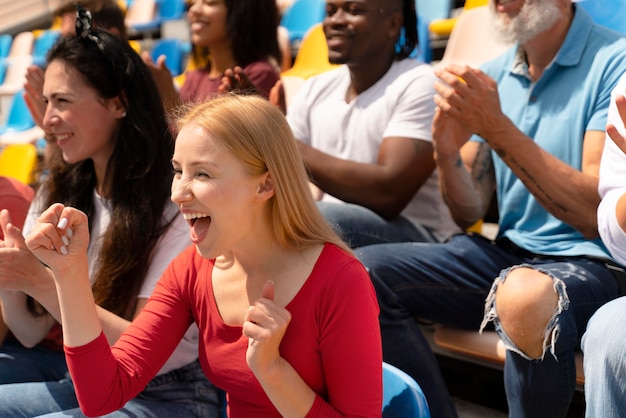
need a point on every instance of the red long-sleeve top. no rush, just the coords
(333, 341)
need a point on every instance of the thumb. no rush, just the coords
(268, 290)
(13, 236)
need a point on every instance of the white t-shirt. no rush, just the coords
(400, 104)
(613, 183)
(172, 243)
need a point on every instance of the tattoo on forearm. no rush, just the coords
(535, 188)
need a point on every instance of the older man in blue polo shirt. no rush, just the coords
(537, 114)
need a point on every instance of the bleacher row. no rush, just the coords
(159, 26)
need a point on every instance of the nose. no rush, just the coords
(50, 117)
(193, 7)
(181, 190)
(335, 16)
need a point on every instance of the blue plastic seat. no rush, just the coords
(19, 117)
(165, 10)
(301, 16)
(402, 396)
(42, 45)
(5, 44)
(3, 69)
(609, 13)
(174, 51)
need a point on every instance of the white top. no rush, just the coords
(613, 183)
(172, 243)
(400, 104)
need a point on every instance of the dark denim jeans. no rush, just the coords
(448, 283)
(359, 226)
(184, 392)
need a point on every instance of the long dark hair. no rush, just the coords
(252, 28)
(138, 176)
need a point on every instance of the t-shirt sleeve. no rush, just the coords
(414, 108)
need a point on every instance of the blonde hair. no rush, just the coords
(258, 134)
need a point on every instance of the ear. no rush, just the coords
(396, 20)
(117, 108)
(266, 187)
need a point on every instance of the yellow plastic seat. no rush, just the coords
(442, 28)
(19, 162)
(312, 57)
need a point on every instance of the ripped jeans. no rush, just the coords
(449, 283)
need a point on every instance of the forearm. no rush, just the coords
(385, 186)
(80, 321)
(567, 193)
(30, 330)
(112, 325)
(460, 192)
(287, 391)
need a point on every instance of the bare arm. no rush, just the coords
(81, 324)
(387, 186)
(37, 281)
(466, 175)
(472, 100)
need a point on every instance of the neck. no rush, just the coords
(541, 50)
(365, 75)
(220, 59)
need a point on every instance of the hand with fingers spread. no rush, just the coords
(236, 80)
(33, 93)
(265, 325)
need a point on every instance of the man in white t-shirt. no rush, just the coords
(365, 128)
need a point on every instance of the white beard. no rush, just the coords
(535, 17)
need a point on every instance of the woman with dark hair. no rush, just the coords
(110, 156)
(226, 34)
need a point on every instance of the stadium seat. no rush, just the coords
(19, 162)
(402, 396)
(301, 16)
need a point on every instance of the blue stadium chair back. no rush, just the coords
(5, 44)
(43, 43)
(609, 13)
(19, 117)
(3, 69)
(301, 16)
(402, 396)
(174, 52)
(434, 9)
(171, 9)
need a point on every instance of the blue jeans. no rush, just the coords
(184, 392)
(359, 226)
(38, 364)
(604, 345)
(449, 283)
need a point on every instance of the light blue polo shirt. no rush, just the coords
(571, 97)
